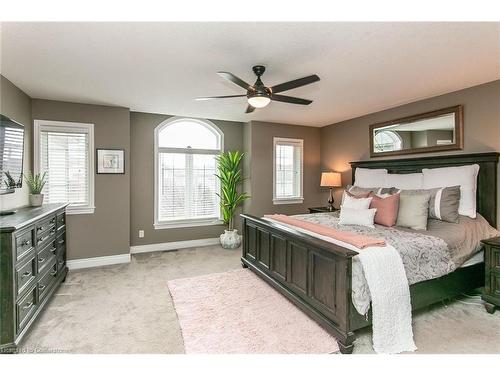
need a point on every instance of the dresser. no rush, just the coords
(32, 266)
(491, 293)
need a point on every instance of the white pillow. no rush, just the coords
(353, 216)
(404, 181)
(358, 203)
(366, 177)
(465, 176)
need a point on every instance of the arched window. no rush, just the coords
(387, 140)
(185, 168)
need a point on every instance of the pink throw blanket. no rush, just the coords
(358, 240)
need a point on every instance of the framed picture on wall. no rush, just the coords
(110, 161)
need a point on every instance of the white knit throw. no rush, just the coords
(391, 304)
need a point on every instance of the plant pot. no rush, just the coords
(230, 239)
(36, 200)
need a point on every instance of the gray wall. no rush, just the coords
(142, 127)
(16, 105)
(106, 231)
(260, 174)
(348, 140)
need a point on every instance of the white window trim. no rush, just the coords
(294, 142)
(67, 127)
(170, 224)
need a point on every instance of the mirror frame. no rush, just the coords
(459, 132)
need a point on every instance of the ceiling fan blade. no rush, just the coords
(290, 99)
(250, 109)
(295, 83)
(220, 97)
(231, 77)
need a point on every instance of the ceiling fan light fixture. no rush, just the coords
(259, 101)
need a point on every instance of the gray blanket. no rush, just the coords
(426, 255)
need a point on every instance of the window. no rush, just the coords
(185, 166)
(64, 150)
(288, 170)
(387, 140)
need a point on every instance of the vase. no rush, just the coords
(230, 239)
(36, 200)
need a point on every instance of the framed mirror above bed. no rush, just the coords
(440, 130)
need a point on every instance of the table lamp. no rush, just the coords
(331, 180)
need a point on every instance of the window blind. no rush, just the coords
(187, 186)
(65, 158)
(288, 169)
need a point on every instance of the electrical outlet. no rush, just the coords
(141, 233)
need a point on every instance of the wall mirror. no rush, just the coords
(440, 130)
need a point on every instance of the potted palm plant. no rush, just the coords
(35, 184)
(230, 178)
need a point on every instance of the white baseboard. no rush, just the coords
(98, 261)
(168, 246)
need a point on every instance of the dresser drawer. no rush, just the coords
(46, 225)
(61, 240)
(45, 237)
(46, 256)
(494, 288)
(24, 242)
(46, 281)
(25, 308)
(25, 274)
(61, 221)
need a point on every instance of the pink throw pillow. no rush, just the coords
(387, 209)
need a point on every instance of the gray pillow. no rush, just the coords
(443, 204)
(377, 190)
(413, 209)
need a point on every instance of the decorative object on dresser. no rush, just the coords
(314, 210)
(32, 266)
(35, 184)
(316, 275)
(440, 130)
(331, 180)
(110, 161)
(230, 177)
(491, 293)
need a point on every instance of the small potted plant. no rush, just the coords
(230, 198)
(35, 184)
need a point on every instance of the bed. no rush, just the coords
(316, 275)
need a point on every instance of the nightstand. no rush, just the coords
(313, 210)
(491, 293)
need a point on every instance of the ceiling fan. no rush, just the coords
(258, 95)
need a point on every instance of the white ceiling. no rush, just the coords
(162, 67)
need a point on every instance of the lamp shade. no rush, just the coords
(331, 179)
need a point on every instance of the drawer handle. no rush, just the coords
(52, 221)
(41, 287)
(53, 231)
(40, 229)
(53, 250)
(60, 242)
(61, 262)
(28, 306)
(26, 274)
(41, 260)
(41, 239)
(26, 242)
(53, 273)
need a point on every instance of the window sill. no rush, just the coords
(188, 223)
(288, 201)
(79, 210)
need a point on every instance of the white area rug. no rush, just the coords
(236, 312)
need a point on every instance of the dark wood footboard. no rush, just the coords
(314, 274)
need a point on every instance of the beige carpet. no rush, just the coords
(127, 309)
(236, 312)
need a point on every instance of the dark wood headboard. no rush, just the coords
(486, 182)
